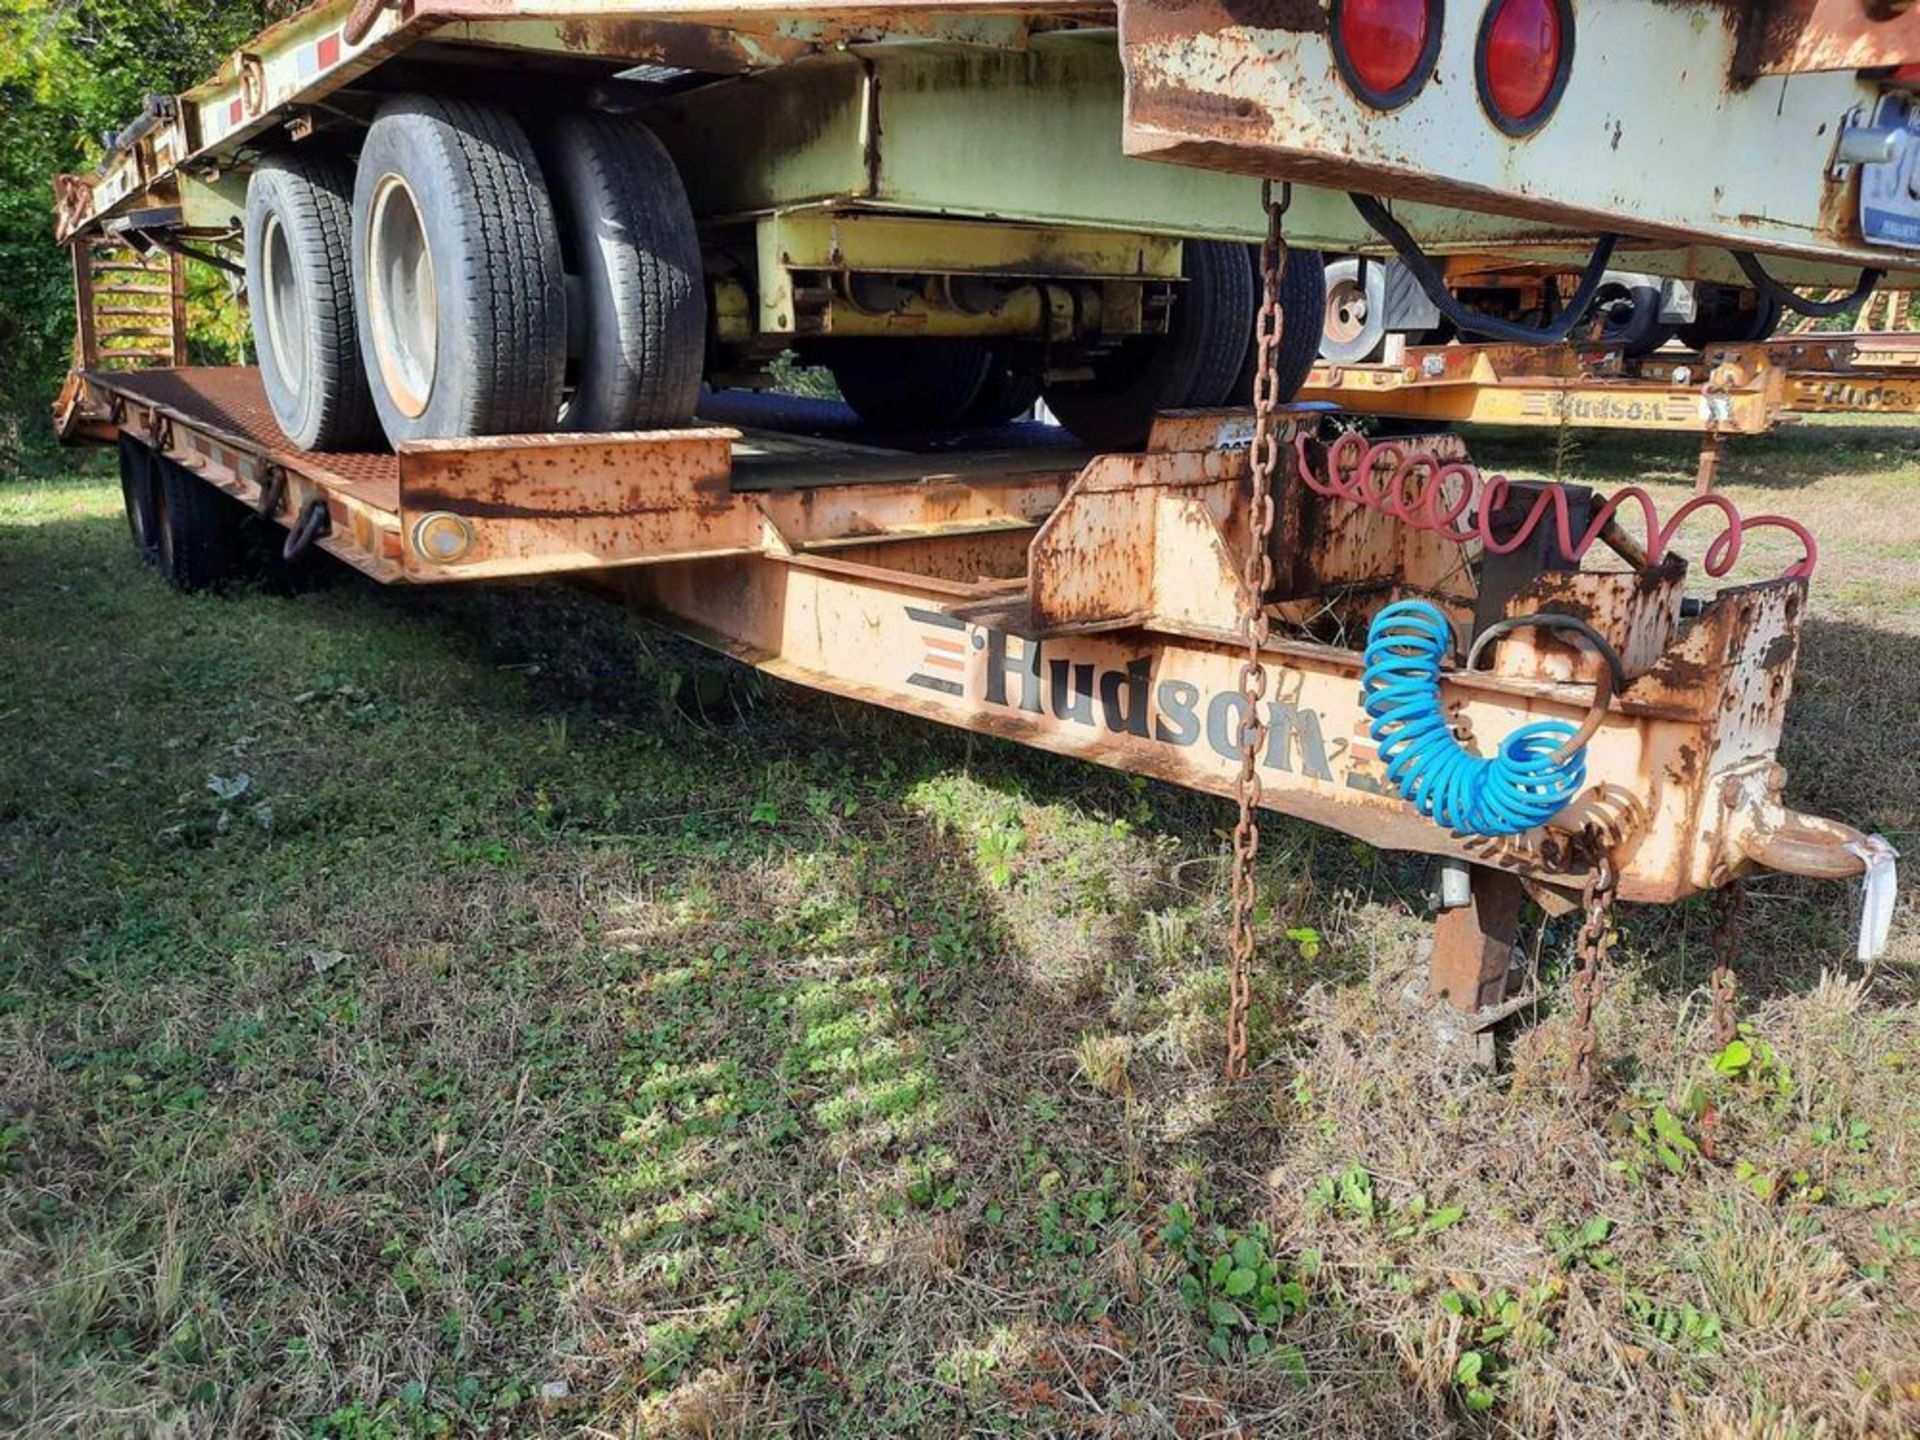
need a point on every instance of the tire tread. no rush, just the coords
(315, 188)
(658, 291)
(1194, 364)
(208, 546)
(523, 314)
(503, 345)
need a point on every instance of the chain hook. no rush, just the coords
(273, 490)
(314, 522)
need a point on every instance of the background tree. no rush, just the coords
(70, 70)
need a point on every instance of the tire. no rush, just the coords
(1011, 390)
(922, 383)
(459, 287)
(1631, 318)
(200, 541)
(1719, 320)
(299, 258)
(1758, 323)
(1303, 318)
(1354, 329)
(1194, 365)
(627, 231)
(139, 494)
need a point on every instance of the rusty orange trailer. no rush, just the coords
(482, 329)
(1086, 605)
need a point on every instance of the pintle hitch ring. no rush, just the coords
(1804, 845)
(273, 492)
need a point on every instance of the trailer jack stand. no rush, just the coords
(1473, 943)
(1712, 443)
(1469, 964)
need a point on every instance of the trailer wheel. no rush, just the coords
(139, 494)
(459, 287)
(199, 535)
(1194, 364)
(1355, 326)
(627, 230)
(1011, 390)
(923, 382)
(1630, 318)
(1303, 319)
(1758, 323)
(299, 254)
(1719, 319)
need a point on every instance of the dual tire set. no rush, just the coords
(472, 275)
(1724, 314)
(196, 535)
(469, 275)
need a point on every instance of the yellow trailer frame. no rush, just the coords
(1732, 389)
(1726, 390)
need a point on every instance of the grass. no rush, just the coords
(447, 1014)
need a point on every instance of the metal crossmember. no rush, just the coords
(1257, 573)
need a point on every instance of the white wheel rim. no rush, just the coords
(401, 305)
(1616, 304)
(1346, 312)
(286, 307)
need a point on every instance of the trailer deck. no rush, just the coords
(438, 512)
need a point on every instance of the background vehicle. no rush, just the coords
(946, 207)
(1370, 300)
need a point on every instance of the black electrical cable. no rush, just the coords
(1471, 322)
(1751, 267)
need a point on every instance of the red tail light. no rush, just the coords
(1526, 50)
(1386, 48)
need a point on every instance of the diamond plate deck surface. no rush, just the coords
(791, 443)
(231, 400)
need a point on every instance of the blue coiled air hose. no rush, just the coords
(1520, 787)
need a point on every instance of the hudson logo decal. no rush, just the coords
(1019, 676)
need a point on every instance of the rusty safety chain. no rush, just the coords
(1596, 939)
(1257, 573)
(1729, 910)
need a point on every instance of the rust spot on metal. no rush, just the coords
(1791, 37)
(1780, 651)
(1152, 20)
(711, 49)
(1672, 567)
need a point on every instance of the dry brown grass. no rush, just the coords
(558, 1066)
